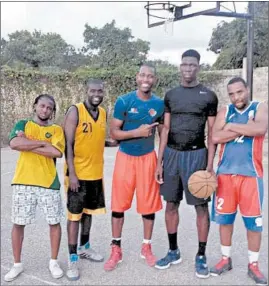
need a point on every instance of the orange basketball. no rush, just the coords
(202, 184)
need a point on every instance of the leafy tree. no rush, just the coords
(36, 49)
(113, 46)
(229, 40)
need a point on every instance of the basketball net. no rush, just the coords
(169, 23)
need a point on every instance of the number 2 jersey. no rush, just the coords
(243, 155)
(89, 144)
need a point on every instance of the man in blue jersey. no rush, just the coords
(240, 129)
(136, 115)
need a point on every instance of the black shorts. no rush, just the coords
(89, 199)
(178, 166)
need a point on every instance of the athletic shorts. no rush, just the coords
(135, 173)
(25, 199)
(234, 190)
(90, 199)
(178, 166)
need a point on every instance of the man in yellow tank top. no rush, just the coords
(85, 132)
(36, 182)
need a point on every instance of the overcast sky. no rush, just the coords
(68, 19)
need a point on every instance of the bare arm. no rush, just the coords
(164, 130)
(46, 148)
(25, 144)
(256, 127)
(144, 130)
(160, 129)
(48, 151)
(117, 133)
(164, 137)
(70, 126)
(210, 144)
(218, 134)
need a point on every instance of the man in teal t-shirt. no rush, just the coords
(136, 115)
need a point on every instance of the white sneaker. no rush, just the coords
(55, 269)
(14, 272)
(85, 252)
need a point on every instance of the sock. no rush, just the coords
(52, 261)
(84, 239)
(172, 237)
(18, 264)
(72, 248)
(146, 241)
(116, 241)
(226, 250)
(253, 256)
(201, 249)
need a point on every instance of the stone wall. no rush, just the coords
(17, 95)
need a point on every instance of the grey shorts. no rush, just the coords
(178, 166)
(25, 199)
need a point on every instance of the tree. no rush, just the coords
(229, 40)
(36, 49)
(113, 46)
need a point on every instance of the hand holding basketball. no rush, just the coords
(202, 184)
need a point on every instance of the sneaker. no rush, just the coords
(85, 252)
(114, 259)
(172, 257)
(14, 272)
(55, 269)
(255, 274)
(146, 253)
(73, 272)
(223, 266)
(201, 268)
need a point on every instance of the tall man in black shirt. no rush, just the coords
(182, 152)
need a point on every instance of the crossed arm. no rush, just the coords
(21, 143)
(224, 132)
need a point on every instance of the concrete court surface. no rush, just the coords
(133, 270)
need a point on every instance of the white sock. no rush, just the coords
(117, 239)
(146, 241)
(226, 250)
(19, 264)
(53, 261)
(253, 256)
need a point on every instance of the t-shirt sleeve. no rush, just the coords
(213, 105)
(58, 139)
(167, 104)
(119, 109)
(19, 126)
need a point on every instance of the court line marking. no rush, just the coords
(32, 277)
(2, 174)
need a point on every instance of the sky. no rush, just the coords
(68, 20)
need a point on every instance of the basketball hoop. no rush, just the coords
(158, 9)
(169, 23)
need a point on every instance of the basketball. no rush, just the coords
(202, 184)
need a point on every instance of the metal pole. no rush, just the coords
(250, 42)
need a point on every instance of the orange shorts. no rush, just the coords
(135, 173)
(245, 192)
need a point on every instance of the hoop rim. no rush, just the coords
(148, 6)
(149, 9)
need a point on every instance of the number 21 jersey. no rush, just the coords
(243, 155)
(89, 144)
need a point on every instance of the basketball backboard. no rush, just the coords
(159, 13)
